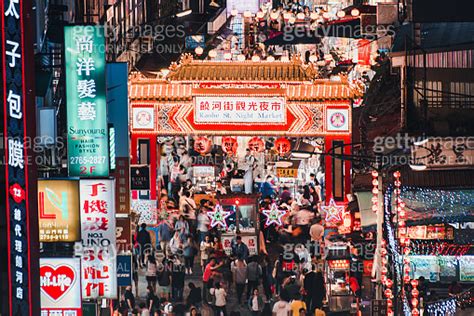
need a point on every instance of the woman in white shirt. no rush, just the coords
(220, 299)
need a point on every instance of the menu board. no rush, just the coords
(466, 269)
(426, 266)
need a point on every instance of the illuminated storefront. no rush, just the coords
(243, 99)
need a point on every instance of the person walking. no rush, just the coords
(203, 220)
(164, 236)
(194, 297)
(254, 274)
(256, 303)
(129, 298)
(152, 301)
(220, 299)
(239, 269)
(239, 249)
(144, 242)
(177, 280)
(151, 270)
(189, 251)
(176, 244)
(206, 248)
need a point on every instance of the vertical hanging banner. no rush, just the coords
(60, 281)
(86, 101)
(99, 270)
(19, 265)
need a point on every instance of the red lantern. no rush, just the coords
(256, 144)
(229, 145)
(283, 146)
(202, 145)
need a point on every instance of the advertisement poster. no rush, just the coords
(447, 267)
(99, 277)
(88, 153)
(124, 235)
(124, 270)
(466, 269)
(60, 281)
(426, 266)
(58, 210)
(140, 177)
(250, 241)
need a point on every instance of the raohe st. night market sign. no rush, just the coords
(86, 101)
(15, 95)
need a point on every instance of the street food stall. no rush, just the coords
(242, 219)
(337, 271)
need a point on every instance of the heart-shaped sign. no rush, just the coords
(56, 281)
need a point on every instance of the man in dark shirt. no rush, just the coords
(194, 297)
(240, 250)
(129, 298)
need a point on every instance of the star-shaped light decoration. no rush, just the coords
(274, 216)
(218, 216)
(333, 211)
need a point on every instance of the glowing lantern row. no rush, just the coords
(202, 145)
(404, 241)
(229, 145)
(375, 191)
(283, 146)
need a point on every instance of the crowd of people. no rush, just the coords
(281, 282)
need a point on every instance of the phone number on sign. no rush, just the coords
(87, 160)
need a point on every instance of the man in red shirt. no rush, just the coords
(209, 272)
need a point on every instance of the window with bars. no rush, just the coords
(441, 94)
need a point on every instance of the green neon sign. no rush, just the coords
(86, 101)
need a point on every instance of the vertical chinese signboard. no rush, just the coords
(86, 101)
(97, 205)
(19, 265)
(58, 209)
(60, 281)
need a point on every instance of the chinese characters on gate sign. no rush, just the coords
(98, 238)
(240, 110)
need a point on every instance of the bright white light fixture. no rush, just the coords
(227, 56)
(418, 167)
(326, 15)
(270, 58)
(255, 58)
(284, 59)
(184, 13)
(355, 12)
(165, 71)
(213, 53)
(283, 164)
(341, 14)
(313, 58)
(300, 16)
(313, 15)
(199, 50)
(247, 14)
(241, 57)
(260, 14)
(292, 20)
(234, 12)
(274, 15)
(286, 15)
